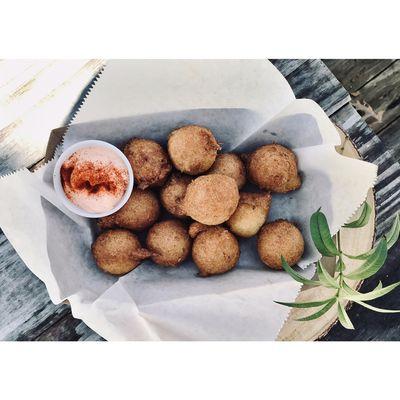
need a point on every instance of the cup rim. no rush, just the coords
(60, 190)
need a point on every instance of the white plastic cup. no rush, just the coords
(59, 187)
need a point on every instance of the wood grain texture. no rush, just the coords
(26, 309)
(287, 66)
(379, 100)
(27, 312)
(387, 187)
(390, 136)
(353, 74)
(313, 80)
(69, 329)
(33, 100)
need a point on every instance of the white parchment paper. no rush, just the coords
(245, 103)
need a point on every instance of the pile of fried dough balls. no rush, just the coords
(201, 190)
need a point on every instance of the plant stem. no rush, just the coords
(340, 269)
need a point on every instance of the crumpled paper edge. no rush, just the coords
(74, 115)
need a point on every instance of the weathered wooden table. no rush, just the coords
(26, 310)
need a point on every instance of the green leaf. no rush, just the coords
(321, 235)
(340, 267)
(362, 219)
(309, 304)
(352, 291)
(393, 234)
(391, 237)
(325, 278)
(366, 255)
(296, 276)
(379, 291)
(363, 256)
(322, 311)
(343, 317)
(372, 265)
(377, 309)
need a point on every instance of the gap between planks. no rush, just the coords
(376, 75)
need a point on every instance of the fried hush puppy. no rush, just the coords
(149, 161)
(173, 193)
(273, 167)
(215, 251)
(192, 149)
(118, 251)
(139, 212)
(169, 243)
(250, 215)
(211, 199)
(231, 165)
(280, 238)
(195, 228)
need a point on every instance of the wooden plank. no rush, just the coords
(42, 82)
(390, 136)
(313, 80)
(379, 100)
(26, 309)
(47, 88)
(353, 74)
(27, 312)
(12, 70)
(372, 149)
(287, 66)
(69, 329)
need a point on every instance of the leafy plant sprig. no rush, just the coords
(373, 260)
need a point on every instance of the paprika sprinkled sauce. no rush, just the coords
(94, 178)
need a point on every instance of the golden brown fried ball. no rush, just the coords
(274, 167)
(280, 238)
(118, 251)
(192, 149)
(169, 243)
(173, 193)
(149, 161)
(138, 213)
(195, 228)
(230, 164)
(215, 251)
(211, 199)
(250, 215)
